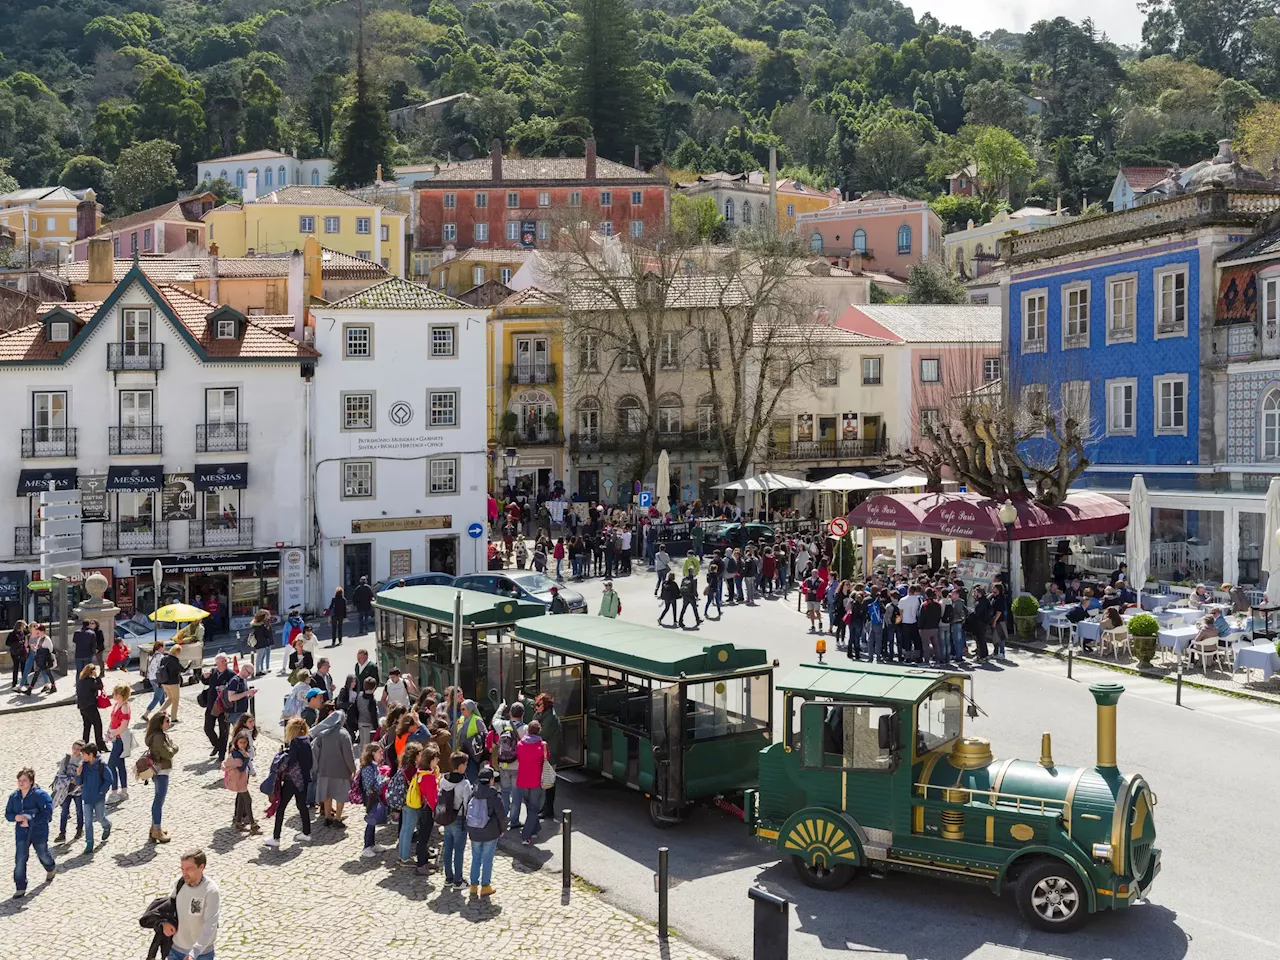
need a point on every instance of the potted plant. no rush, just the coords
(510, 423)
(551, 424)
(1142, 637)
(1025, 610)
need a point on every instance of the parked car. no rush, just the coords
(522, 585)
(415, 580)
(727, 535)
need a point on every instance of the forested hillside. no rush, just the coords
(854, 93)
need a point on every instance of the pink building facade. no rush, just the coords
(890, 233)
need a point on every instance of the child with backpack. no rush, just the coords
(237, 768)
(486, 822)
(94, 780)
(65, 792)
(372, 783)
(450, 815)
(428, 786)
(504, 736)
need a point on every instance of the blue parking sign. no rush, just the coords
(646, 498)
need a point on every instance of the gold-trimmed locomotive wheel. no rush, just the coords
(823, 846)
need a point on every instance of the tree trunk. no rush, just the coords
(1035, 567)
(935, 553)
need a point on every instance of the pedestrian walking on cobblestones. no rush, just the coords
(532, 753)
(199, 908)
(216, 723)
(451, 816)
(66, 792)
(293, 777)
(162, 750)
(237, 768)
(170, 677)
(16, 641)
(94, 779)
(486, 823)
(121, 739)
(372, 782)
(337, 617)
(88, 690)
(30, 809)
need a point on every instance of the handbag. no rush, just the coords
(145, 768)
(103, 702)
(377, 815)
(548, 774)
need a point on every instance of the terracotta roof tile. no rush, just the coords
(1142, 178)
(535, 169)
(496, 255)
(262, 337)
(252, 155)
(321, 196)
(683, 293)
(28, 344)
(531, 297)
(173, 210)
(396, 293)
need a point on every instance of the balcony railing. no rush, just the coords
(135, 535)
(540, 436)
(534, 373)
(221, 437)
(614, 442)
(222, 532)
(49, 442)
(135, 355)
(135, 439)
(828, 449)
(26, 543)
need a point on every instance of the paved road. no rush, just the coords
(1213, 763)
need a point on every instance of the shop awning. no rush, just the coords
(131, 479)
(37, 481)
(970, 516)
(223, 476)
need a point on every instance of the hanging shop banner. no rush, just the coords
(133, 479)
(178, 501)
(222, 476)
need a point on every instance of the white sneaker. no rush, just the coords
(271, 842)
(302, 837)
(369, 852)
(124, 794)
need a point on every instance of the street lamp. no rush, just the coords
(157, 573)
(1008, 516)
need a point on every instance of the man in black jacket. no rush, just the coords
(365, 668)
(85, 644)
(214, 681)
(689, 599)
(362, 598)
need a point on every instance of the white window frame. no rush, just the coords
(878, 378)
(1079, 387)
(589, 353)
(670, 419)
(1080, 338)
(544, 230)
(364, 225)
(477, 276)
(637, 228)
(669, 350)
(575, 198)
(1269, 308)
(481, 232)
(987, 367)
(364, 254)
(1269, 450)
(606, 228)
(384, 234)
(1038, 344)
(1158, 301)
(544, 198)
(629, 357)
(606, 198)
(451, 464)
(1158, 382)
(332, 224)
(432, 396)
(928, 415)
(791, 209)
(60, 331)
(513, 229)
(226, 330)
(506, 274)
(348, 329)
(1112, 386)
(444, 340)
(348, 395)
(513, 199)
(637, 198)
(708, 349)
(306, 224)
(349, 481)
(1130, 301)
(449, 233)
(450, 201)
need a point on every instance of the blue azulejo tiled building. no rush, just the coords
(1135, 322)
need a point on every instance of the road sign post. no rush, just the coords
(475, 532)
(60, 555)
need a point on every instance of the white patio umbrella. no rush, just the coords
(848, 483)
(664, 483)
(1270, 547)
(1137, 539)
(764, 482)
(903, 479)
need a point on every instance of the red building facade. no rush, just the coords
(505, 202)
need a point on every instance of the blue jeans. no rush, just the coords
(96, 811)
(81, 663)
(560, 569)
(157, 698)
(25, 841)
(713, 597)
(262, 660)
(507, 787)
(875, 635)
(117, 766)
(482, 852)
(161, 781)
(531, 797)
(455, 844)
(28, 668)
(890, 632)
(369, 830)
(177, 953)
(408, 820)
(957, 641)
(365, 616)
(66, 813)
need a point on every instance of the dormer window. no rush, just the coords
(61, 325)
(59, 331)
(226, 329)
(225, 323)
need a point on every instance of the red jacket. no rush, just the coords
(530, 752)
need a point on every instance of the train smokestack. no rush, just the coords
(1106, 696)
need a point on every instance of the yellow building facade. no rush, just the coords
(285, 219)
(475, 266)
(525, 344)
(795, 198)
(45, 219)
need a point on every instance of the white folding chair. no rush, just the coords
(1206, 650)
(1116, 637)
(1063, 628)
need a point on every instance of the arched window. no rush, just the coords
(728, 210)
(764, 217)
(240, 179)
(222, 175)
(859, 241)
(746, 214)
(815, 243)
(630, 416)
(266, 177)
(589, 419)
(706, 414)
(284, 177)
(1271, 425)
(904, 239)
(315, 178)
(977, 250)
(207, 176)
(670, 413)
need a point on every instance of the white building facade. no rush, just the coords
(399, 434)
(183, 425)
(273, 168)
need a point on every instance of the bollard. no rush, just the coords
(662, 880)
(566, 855)
(772, 925)
(1178, 693)
(1070, 659)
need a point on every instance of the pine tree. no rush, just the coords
(604, 79)
(366, 140)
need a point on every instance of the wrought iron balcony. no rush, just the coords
(221, 437)
(222, 532)
(49, 442)
(129, 535)
(519, 373)
(828, 449)
(135, 439)
(622, 442)
(135, 355)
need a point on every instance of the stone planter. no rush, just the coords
(1144, 648)
(1026, 627)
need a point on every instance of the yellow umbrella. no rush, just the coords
(179, 613)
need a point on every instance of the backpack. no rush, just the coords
(446, 812)
(477, 812)
(397, 790)
(507, 743)
(44, 658)
(271, 783)
(946, 613)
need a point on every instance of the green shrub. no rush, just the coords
(1025, 606)
(1144, 625)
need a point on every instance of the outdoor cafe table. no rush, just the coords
(1177, 637)
(1152, 600)
(1258, 656)
(1046, 614)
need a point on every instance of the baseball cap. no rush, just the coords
(486, 774)
(315, 692)
(555, 589)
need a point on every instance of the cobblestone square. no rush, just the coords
(310, 901)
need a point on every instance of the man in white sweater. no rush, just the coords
(199, 904)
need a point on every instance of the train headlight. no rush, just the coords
(1102, 852)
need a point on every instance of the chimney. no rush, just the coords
(87, 215)
(101, 260)
(855, 261)
(213, 272)
(298, 293)
(379, 173)
(637, 163)
(250, 191)
(495, 154)
(773, 184)
(1106, 696)
(591, 158)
